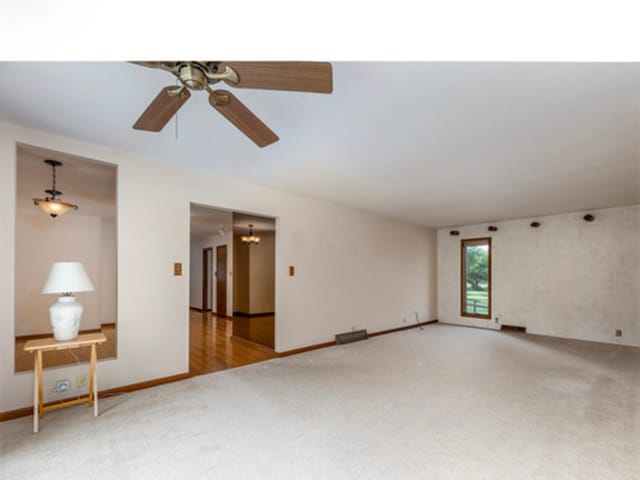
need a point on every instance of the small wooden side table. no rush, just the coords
(48, 344)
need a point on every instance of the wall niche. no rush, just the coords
(87, 235)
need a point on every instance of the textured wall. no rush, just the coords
(567, 278)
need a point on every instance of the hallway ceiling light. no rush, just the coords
(51, 204)
(251, 238)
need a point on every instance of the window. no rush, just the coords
(476, 277)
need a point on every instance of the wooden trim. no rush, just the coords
(146, 384)
(308, 348)
(463, 312)
(406, 327)
(26, 411)
(317, 346)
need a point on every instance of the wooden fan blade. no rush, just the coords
(160, 111)
(244, 119)
(296, 76)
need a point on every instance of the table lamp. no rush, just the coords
(66, 313)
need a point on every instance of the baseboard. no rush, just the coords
(317, 346)
(308, 348)
(405, 327)
(26, 411)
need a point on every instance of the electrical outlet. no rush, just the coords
(62, 386)
(618, 332)
(82, 381)
(404, 320)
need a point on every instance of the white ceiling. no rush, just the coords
(432, 143)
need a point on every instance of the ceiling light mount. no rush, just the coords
(51, 204)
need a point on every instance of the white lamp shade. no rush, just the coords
(67, 277)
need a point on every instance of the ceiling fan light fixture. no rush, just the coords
(251, 238)
(51, 204)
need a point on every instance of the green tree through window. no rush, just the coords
(476, 281)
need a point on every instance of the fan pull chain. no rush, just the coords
(177, 113)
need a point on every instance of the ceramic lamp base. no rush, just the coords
(65, 315)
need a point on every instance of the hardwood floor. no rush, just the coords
(211, 348)
(259, 329)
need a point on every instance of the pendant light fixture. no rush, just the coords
(251, 238)
(51, 204)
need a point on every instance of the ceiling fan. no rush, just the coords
(296, 76)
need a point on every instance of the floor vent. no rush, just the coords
(351, 336)
(513, 328)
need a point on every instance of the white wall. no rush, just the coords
(352, 268)
(567, 278)
(195, 275)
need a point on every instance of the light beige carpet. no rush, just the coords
(443, 403)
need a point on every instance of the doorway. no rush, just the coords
(218, 338)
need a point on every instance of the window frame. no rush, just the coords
(463, 283)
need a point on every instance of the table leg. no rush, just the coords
(35, 394)
(92, 374)
(40, 410)
(95, 394)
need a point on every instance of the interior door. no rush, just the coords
(221, 280)
(206, 269)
